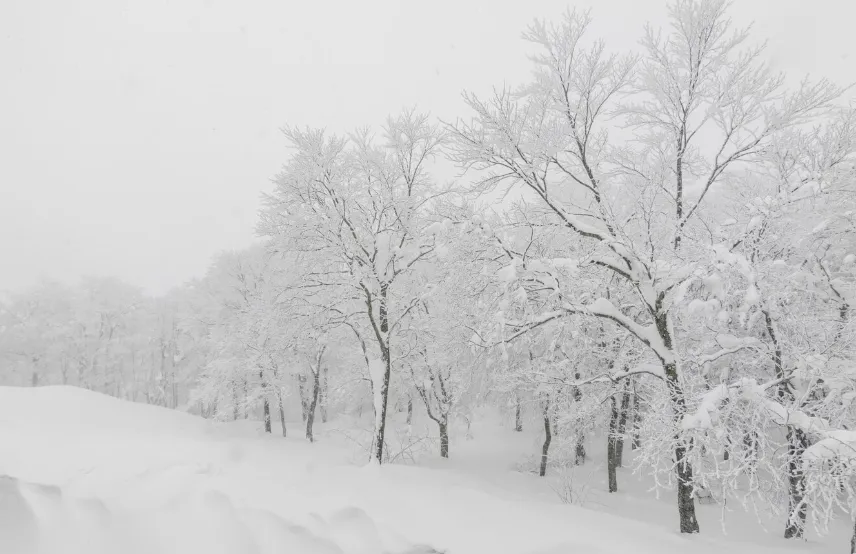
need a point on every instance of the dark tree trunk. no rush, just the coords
(636, 442)
(548, 436)
(580, 447)
(380, 432)
(304, 403)
(266, 412)
(310, 412)
(384, 394)
(265, 403)
(679, 189)
(246, 404)
(686, 504)
(235, 402)
(281, 413)
(621, 428)
(323, 395)
(797, 443)
(580, 450)
(726, 448)
(438, 413)
(444, 438)
(518, 420)
(611, 456)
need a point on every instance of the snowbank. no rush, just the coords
(88, 473)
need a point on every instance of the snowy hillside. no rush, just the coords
(86, 473)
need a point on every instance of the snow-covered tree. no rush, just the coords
(701, 106)
(356, 209)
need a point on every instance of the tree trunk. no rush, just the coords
(686, 504)
(636, 442)
(621, 428)
(304, 404)
(444, 438)
(797, 443)
(265, 404)
(172, 354)
(310, 412)
(580, 450)
(548, 436)
(853, 539)
(380, 418)
(383, 392)
(281, 411)
(323, 395)
(580, 447)
(235, 402)
(518, 420)
(611, 456)
(246, 403)
(266, 412)
(409, 409)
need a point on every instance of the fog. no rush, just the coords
(136, 137)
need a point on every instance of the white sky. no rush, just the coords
(137, 135)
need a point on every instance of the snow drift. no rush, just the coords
(83, 472)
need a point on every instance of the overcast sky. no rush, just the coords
(136, 136)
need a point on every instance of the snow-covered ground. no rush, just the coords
(85, 473)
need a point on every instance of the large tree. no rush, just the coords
(701, 104)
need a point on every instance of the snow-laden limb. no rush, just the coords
(779, 413)
(836, 445)
(648, 334)
(508, 274)
(730, 344)
(603, 308)
(707, 414)
(434, 228)
(533, 322)
(642, 369)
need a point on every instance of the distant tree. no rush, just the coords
(356, 208)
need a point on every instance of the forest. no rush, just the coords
(651, 254)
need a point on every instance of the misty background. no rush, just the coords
(136, 137)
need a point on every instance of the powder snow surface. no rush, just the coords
(85, 473)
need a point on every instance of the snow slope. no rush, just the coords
(86, 473)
